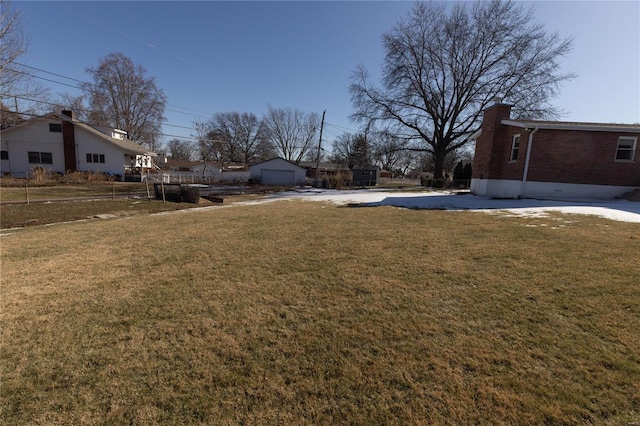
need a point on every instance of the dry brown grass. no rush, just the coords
(20, 215)
(53, 191)
(304, 313)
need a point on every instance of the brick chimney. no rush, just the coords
(487, 143)
(69, 142)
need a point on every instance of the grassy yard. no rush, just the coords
(308, 313)
(78, 202)
(49, 192)
(19, 215)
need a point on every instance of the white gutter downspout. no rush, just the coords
(526, 162)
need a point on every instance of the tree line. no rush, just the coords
(444, 64)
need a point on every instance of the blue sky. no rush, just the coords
(211, 56)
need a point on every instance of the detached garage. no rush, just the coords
(277, 171)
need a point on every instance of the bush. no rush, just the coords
(86, 177)
(337, 181)
(39, 175)
(432, 183)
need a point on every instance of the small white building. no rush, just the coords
(60, 143)
(277, 171)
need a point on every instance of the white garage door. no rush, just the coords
(277, 177)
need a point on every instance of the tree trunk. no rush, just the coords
(438, 164)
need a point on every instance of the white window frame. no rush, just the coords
(95, 158)
(514, 148)
(627, 139)
(41, 156)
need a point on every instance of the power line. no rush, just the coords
(49, 72)
(42, 78)
(6, 95)
(341, 127)
(87, 83)
(160, 134)
(81, 82)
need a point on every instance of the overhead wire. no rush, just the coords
(52, 104)
(330, 129)
(81, 109)
(86, 110)
(87, 83)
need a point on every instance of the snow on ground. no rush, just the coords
(620, 210)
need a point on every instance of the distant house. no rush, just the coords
(365, 175)
(277, 171)
(326, 170)
(186, 170)
(527, 158)
(62, 144)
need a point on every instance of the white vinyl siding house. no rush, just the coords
(28, 145)
(40, 143)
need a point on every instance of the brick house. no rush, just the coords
(527, 158)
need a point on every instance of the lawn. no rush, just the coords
(22, 193)
(63, 203)
(308, 313)
(19, 215)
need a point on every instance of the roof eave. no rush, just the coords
(591, 127)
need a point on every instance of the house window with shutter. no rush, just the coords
(515, 147)
(626, 148)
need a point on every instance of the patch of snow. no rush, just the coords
(620, 210)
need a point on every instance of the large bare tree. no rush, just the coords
(291, 132)
(352, 149)
(122, 96)
(180, 149)
(208, 148)
(390, 152)
(244, 134)
(20, 94)
(444, 64)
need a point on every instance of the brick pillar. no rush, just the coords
(488, 144)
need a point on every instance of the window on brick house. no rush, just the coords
(515, 147)
(626, 148)
(4, 155)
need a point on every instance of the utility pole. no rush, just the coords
(319, 148)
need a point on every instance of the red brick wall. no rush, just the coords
(567, 156)
(489, 145)
(584, 157)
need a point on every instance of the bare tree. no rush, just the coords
(180, 149)
(244, 133)
(122, 96)
(20, 94)
(391, 152)
(208, 148)
(342, 150)
(445, 64)
(73, 103)
(352, 149)
(291, 132)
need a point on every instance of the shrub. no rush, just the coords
(338, 181)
